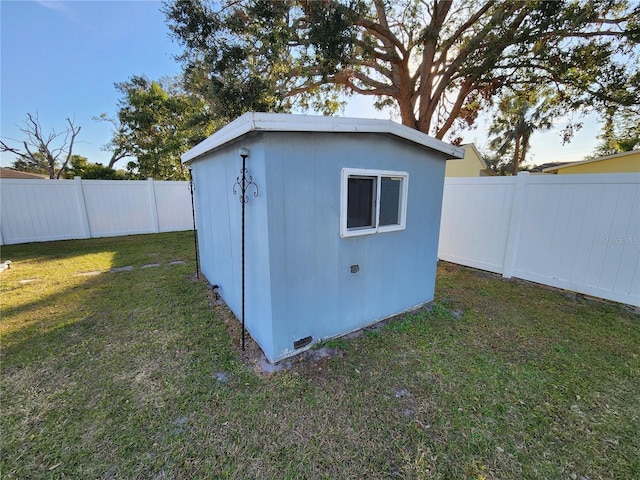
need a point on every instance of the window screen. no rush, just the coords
(390, 200)
(361, 202)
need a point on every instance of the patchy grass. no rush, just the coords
(134, 375)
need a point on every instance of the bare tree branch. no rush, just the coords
(45, 151)
(118, 152)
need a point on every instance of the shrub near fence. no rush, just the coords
(45, 210)
(576, 232)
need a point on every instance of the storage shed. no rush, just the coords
(341, 222)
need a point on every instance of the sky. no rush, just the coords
(60, 59)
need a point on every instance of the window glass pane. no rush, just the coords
(390, 189)
(360, 202)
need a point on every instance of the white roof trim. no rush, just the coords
(283, 122)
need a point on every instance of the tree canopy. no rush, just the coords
(157, 122)
(620, 133)
(438, 62)
(79, 166)
(32, 164)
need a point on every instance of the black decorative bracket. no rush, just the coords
(243, 184)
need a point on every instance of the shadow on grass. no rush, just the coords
(57, 284)
(62, 295)
(100, 365)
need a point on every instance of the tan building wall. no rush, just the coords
(619, 163)
(472, 165)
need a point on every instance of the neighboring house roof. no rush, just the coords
(632, 166)
(283, 122)
(543, 166)
(9, 173)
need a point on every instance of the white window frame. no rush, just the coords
(345, 174)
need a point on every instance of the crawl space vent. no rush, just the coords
(303, 342)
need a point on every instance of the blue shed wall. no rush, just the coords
(218, 220)
(313, 291)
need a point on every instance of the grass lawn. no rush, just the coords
(134, 375)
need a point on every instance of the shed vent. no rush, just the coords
(303, 342)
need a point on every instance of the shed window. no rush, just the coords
(372, 201)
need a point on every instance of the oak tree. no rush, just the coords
(438, 62)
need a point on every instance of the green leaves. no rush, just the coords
(621, 132)
(80, 167)
(440, 63)
(520, 115)
(35, 164)
(159, 123)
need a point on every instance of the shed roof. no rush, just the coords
(283, 122)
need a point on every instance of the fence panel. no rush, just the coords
(588, 239)
(577, 232)
(476, 214)
(39, 211)
(118, 207)
(45, 210)
(172, 201)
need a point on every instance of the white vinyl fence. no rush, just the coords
(44, 210)
(576, 232)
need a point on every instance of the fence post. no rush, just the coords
(153, 206)
(515, 224)
(82, 208)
